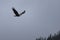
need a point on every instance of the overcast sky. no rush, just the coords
(42, 17)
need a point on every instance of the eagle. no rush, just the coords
(16, 13)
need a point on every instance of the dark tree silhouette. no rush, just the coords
(51, 37)
(56, 36)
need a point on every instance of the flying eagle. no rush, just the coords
(16, 13)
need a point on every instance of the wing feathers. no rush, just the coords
(22, 12)
(15, 12)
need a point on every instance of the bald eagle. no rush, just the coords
(16, 13)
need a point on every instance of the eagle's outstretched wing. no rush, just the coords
(22, 12)
(15, 12)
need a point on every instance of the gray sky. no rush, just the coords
(42, 17)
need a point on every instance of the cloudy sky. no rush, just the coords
(42, 17)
